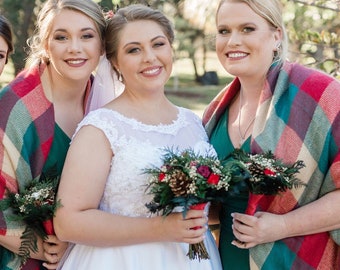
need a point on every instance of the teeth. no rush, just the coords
(151, 71)
(235, 55)
(75, 62)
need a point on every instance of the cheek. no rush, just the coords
(2, 65)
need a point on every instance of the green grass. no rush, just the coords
(191, 94)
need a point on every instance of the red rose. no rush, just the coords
(161, 176)
(269, 172)
(213, 179)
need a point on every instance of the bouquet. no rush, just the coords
(35, 205)
(189, 181)
(265, 175)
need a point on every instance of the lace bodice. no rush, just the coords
(137, 146)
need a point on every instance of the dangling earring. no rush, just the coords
(277, 52)
(120, 76)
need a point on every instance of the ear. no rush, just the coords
(277, 38)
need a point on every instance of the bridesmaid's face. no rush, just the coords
(3, 53)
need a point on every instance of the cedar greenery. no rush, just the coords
(187, 180)
(33, 205)
(264, 174)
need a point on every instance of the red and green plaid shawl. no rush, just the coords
(26, 132)
(298, 118)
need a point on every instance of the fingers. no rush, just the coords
(53, 251)
(244, 230)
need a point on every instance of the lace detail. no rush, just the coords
(136, 146)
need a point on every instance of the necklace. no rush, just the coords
(243, 137)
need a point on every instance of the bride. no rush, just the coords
(102, 188)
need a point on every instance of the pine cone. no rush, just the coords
(256, 171)
(179, 183)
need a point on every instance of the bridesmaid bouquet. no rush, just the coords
(189, 181)
(35, 205)
(266, 176)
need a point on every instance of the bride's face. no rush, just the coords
(144, 56)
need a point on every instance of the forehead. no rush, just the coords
(238, 13)
(140, 31)
(72, 20)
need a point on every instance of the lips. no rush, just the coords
(75, 62)
(236, 55)
(152, 71)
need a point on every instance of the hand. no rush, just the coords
(190, 229)
(261, 228)
(54, 250)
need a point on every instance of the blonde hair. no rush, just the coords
(271, 11)
(50, 9)
(128, 14)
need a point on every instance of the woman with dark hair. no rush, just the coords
(6, 42)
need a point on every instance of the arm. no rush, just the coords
(319, 216)
(82, 184)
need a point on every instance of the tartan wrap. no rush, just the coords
(26, 133)
(27, 126)
(298, 118)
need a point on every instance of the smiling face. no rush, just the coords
(144, 56)
(3, 53)
(74, 46)
(245, 41)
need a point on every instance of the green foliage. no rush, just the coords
(33, 205)
(265, 174)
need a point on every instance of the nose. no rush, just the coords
(234, 39)
(74, 46)
(149, 55)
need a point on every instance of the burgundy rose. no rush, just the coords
(204, 171)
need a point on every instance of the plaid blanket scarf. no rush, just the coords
(26, 132)
(298, 118)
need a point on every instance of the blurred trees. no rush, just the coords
(313, 27)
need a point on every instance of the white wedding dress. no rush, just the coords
(137, 146)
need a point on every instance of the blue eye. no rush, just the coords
(87, 36)
(248, 29)
(223, 31)
(60, 37)
(133, 50)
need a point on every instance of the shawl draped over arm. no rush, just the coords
(26, 134)
(298, 118)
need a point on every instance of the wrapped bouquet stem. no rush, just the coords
(198, 250)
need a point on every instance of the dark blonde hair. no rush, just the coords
(6, 34)
(271, 11)
(128, 14)
(50, 9)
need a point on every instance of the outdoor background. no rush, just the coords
(313, 27)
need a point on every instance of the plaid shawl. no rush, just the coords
(298, 118)
(26, 132)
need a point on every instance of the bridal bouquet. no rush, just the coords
(189, 181)
(35, 205)
(266, 175)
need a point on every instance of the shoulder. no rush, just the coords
(311, 80)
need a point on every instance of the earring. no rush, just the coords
(120, 76)
(277, 51)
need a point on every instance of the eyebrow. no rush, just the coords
(81, 30)
(137, 43)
